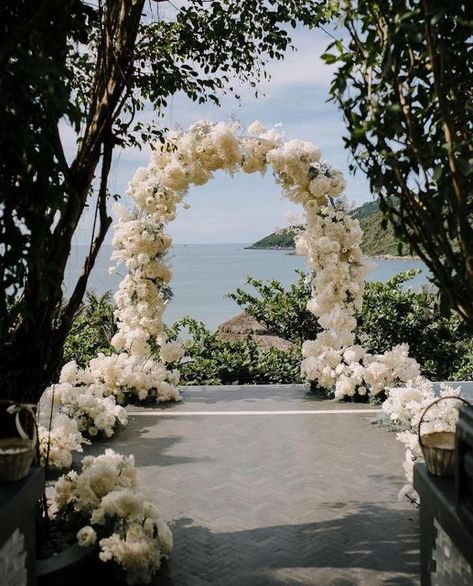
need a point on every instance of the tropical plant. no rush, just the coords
(392, 314)
(92, 329)
(281, 310)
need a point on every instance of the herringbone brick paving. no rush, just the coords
(275, 499)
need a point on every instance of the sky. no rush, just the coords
(246, 208)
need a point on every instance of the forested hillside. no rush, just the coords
(376, 240)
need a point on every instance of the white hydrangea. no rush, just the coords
(171, 352)
(125, 522)
(140, 377)
(87, 404)
(57, 444)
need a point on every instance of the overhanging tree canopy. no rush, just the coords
(97, 66)
(404, 85)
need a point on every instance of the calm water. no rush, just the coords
(204, 273)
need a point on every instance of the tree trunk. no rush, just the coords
(33, 353)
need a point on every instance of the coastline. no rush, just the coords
(283, 248)
(291, 250)
(392, 257)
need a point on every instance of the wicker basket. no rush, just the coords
(439, 447)
(16, 456)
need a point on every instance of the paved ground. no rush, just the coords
(269, 486)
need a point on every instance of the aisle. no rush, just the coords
(267, 486)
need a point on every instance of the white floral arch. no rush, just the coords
(331, 242)
(86, 398)
(143, 365)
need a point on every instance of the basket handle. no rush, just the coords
(16, 409)
(431, 405)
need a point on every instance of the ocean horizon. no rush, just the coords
(204, 273)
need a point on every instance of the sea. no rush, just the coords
(203, 274)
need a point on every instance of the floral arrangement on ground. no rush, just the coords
(106, 508)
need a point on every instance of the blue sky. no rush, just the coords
(245, 208)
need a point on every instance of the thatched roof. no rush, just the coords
(243, 325)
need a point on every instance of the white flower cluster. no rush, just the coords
(141, 245)
(352, 370)
(76, 408)
(86, 400)
(130, 376)
(404, 406)
(92, 393)
(123, 520)
(56, 446)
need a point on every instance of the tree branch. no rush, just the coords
(104, 224)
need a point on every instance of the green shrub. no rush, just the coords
(210, 360)
(92, 329)
(391, 314)
(282, 311)
(465, 368)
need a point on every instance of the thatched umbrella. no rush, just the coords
(243, 325)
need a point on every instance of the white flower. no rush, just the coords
(171, 352)
(56, 446)
(256, 128)
(86, 536)
(125, 503)
(69, 372)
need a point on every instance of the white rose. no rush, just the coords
(256, 128)
(86, 536)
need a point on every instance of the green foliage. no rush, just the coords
(279, 366)
(92, 330)
(465, 369)
(204, 51)
(403, 82)
(392, 314)
(378, 240)
(280, 239)
(281, 311)
(211, 361)
(35, 92)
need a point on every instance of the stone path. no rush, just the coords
(268, 486)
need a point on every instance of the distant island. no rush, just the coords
(377, 241)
